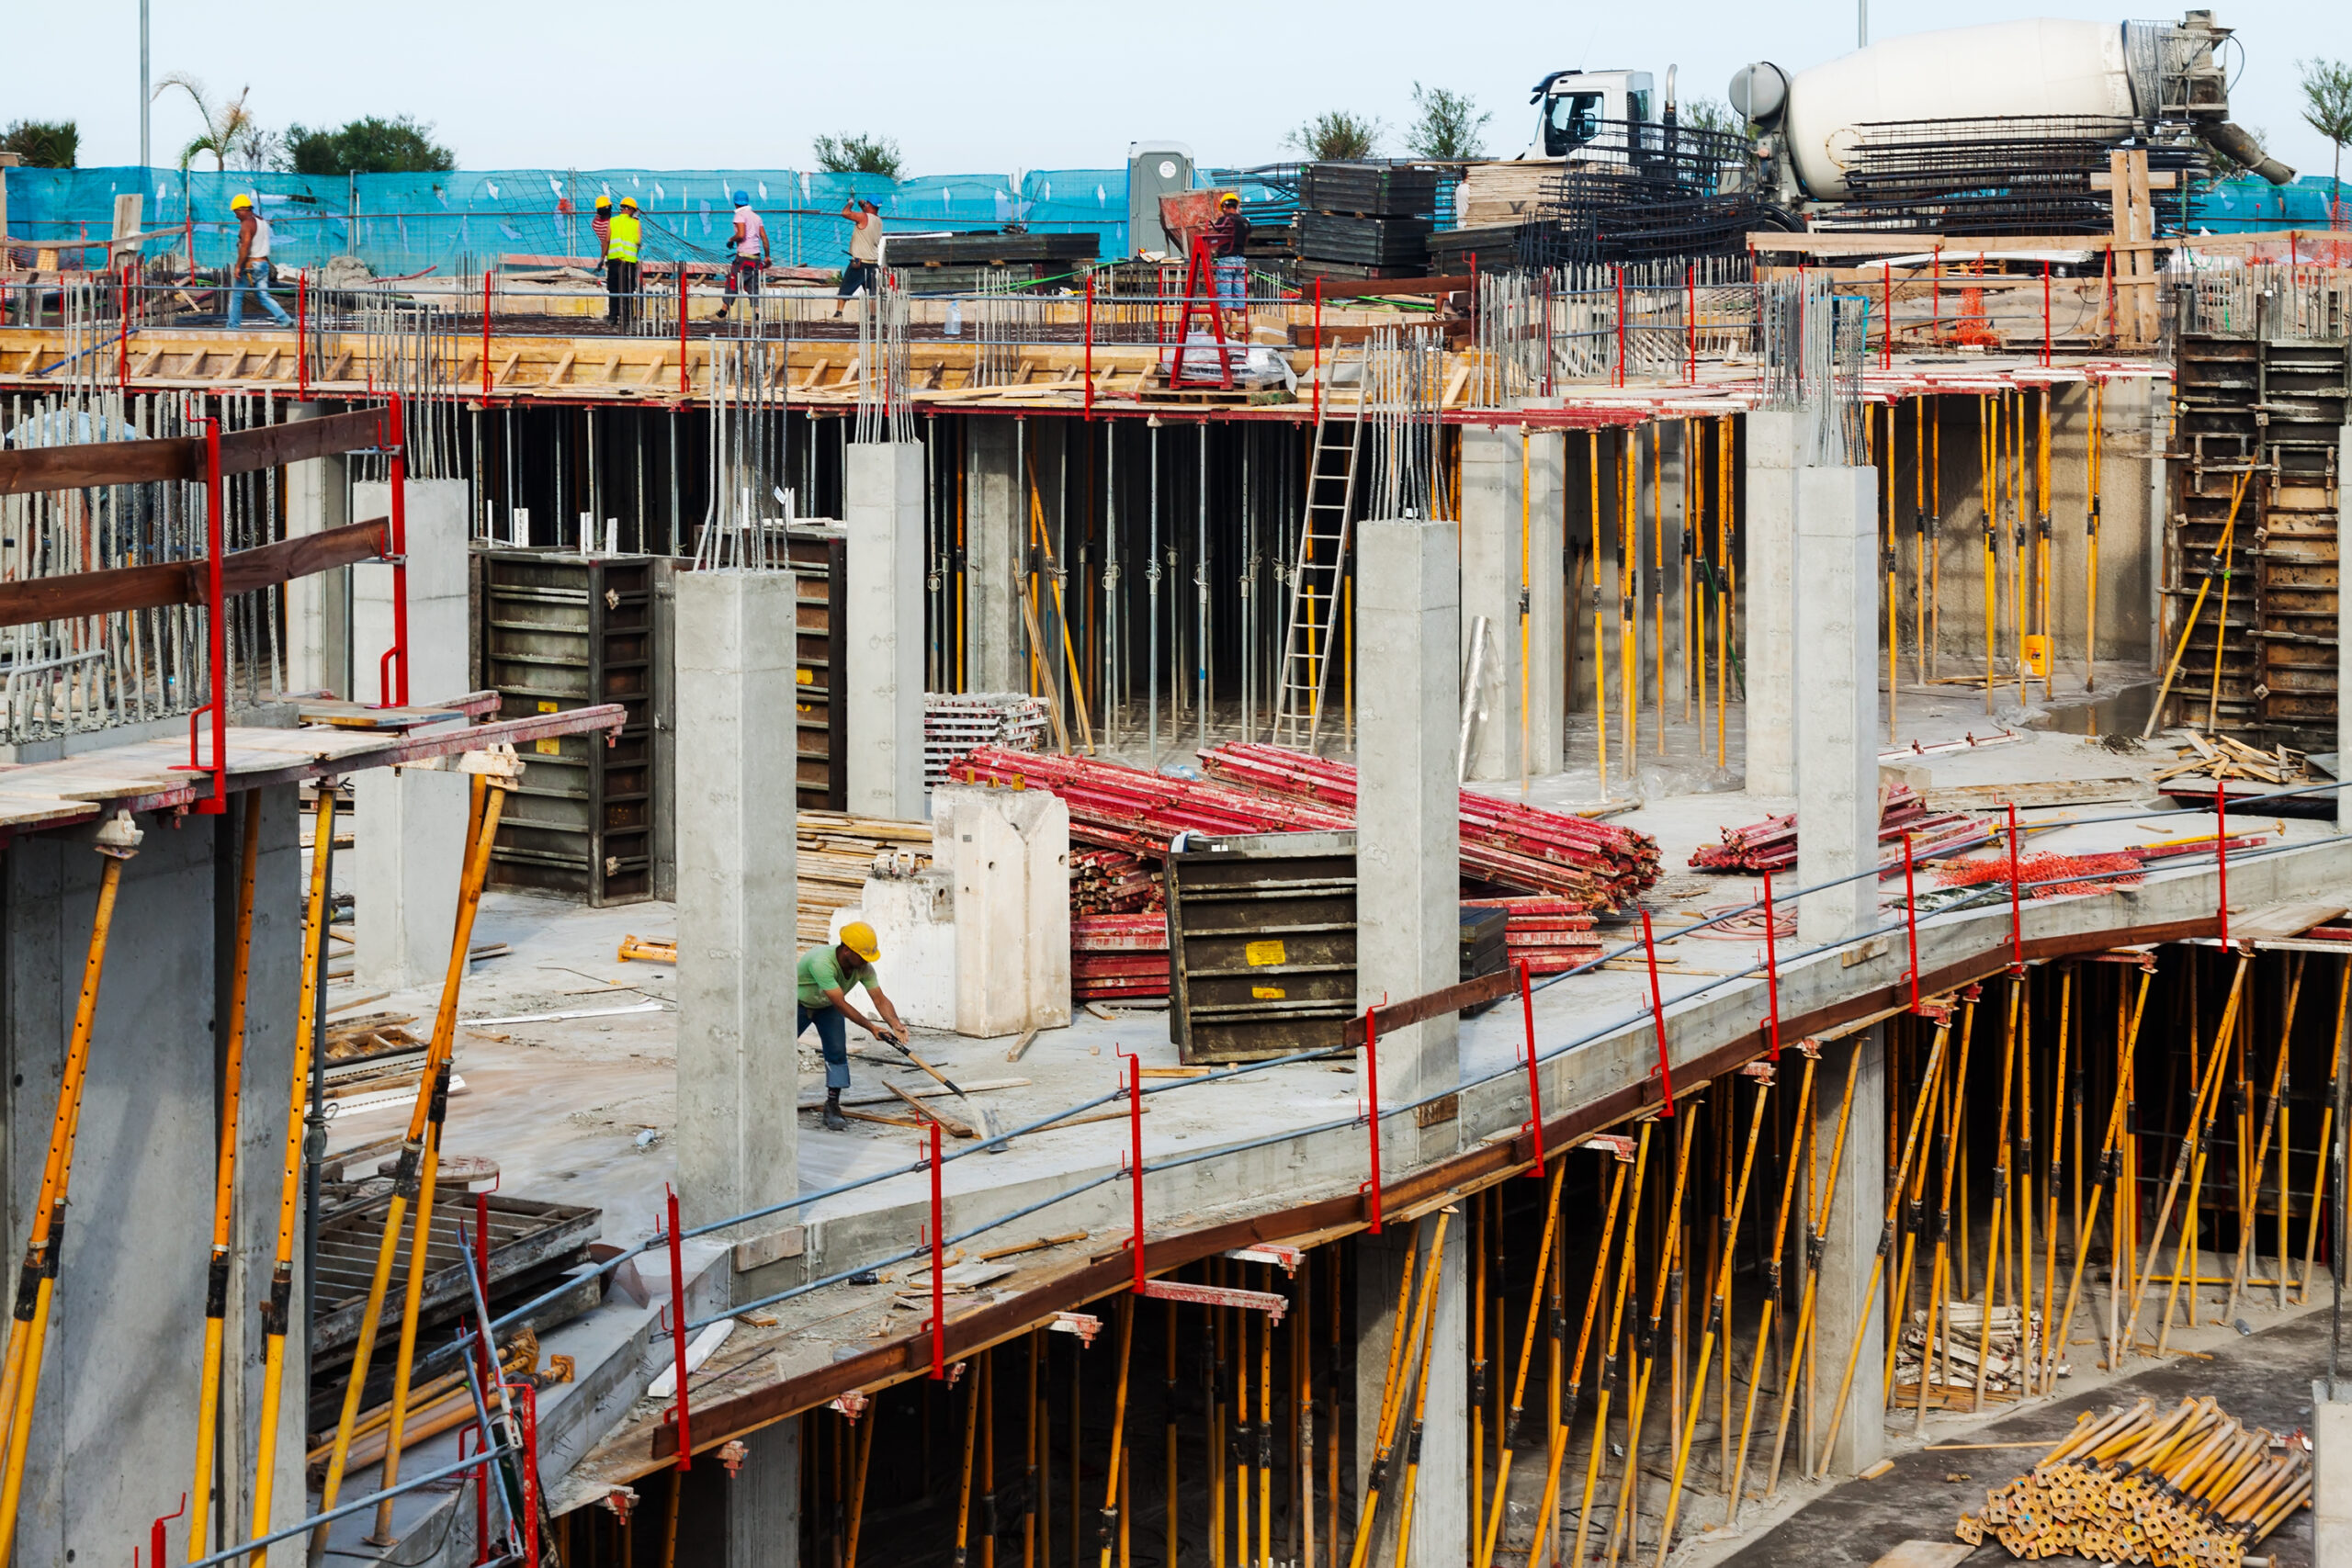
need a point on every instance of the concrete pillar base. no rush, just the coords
(883, 686)
(1836, 701)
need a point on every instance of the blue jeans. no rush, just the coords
(1232, 281)
(833, 1033)
(260, 273)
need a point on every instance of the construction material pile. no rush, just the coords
(837, 851)
(2050, 876)
(2190, 1486)
(1961, 1345)
(955, 722)
(1118, 958)
(1118, 807)
(1552, 935)
(1113, 881)
(1599, 865)
(1772, 844)
(2218, 757)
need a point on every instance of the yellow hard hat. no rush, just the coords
(858, 937)
(1232, 197)
(240, 201)
(604, 202)
(629, 202)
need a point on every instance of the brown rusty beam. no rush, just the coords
(38, 599)
(85, 464)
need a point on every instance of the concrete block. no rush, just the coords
(883, 686)
(1836, 700)
(1409, 862)
(1008, 851)
(914, 920)
(2331, 1472)
(738, 1074)
(1768, 586)
(1511, 542)
(411, 833)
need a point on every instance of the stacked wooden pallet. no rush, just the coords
(836, 855)
(2190, 1486)
(1118, 958)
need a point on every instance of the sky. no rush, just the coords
(962, 88)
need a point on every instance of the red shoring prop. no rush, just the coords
(678, 1331)
(1534, 1088)
(938, 1267)
(1773, 966)
(1658, 1016)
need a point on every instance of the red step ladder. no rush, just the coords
(1200, 294)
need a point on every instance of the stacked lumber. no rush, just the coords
(1503, 193)
(1962, 1343)
(2189, 1487)
(2218, 758)
(837, 851)
(1552, 935)
(1772, 844)
(1113, 881)
(1115, 958)
(1558, 853)
(955, 722)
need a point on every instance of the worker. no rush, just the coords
(825, 975)
(865, 249)
(1227, 236)
(602, 227)
(748, 245)
(253, 252)
(621, 264)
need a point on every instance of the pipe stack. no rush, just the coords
(2189, 1487)
(1118, 958)
(1772, 844)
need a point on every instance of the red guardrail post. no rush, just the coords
(1534, 1088)
(122, 340)
(1690, 324)
(1911, 919)
(1319, 350)
(683, 385)
(302, 335)
(216, 627)
(1886, 318)
(2045, 314)
(1089, 346)
(1135, 1153)
(678, 1331)
(1657, 1015)
(2016, 917)
(526, 1398)
(2222, 852)
(394, 692)
(155, 1541)
(1371, 1088)
(1621, 326)
(1773, 965)
(485, 337)
(938, 1267)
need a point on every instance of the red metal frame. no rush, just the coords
(2017, 916)
(1773, 965)
(1658, 1016)
(1621, 326)
(683, 385)
(1534, 1088)
(678, 1329)
(395, 692)
(216, 640)
(1371, 1088)
(155, 1541)
(482, 1493)
(1690, 324)
(1911, 919)
(1200, 272)
(2045, 313)
(1089, 346)
(1886, 325)
(938, 1266)
(1318, 349)
(2221, 854)
(302, 335)
(485, 337)
(1267, 1301)
(1135, 1152)
(527, 1406)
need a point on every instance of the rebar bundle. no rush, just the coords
(1641, 192)
(883, 412)
(1997, 174)
(2190, 1487)
(2262, 300)
(1813, 343)
(1404, 390)
(1512, 339)
(747, 455)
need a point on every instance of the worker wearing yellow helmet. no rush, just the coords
(251, 267)
(825, 975)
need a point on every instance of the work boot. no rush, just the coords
(834, 1121)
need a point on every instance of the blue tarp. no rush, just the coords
(462, 221)
(2249, 204)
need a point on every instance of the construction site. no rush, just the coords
(1304, 739)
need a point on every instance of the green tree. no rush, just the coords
(847, 155)
(1710, 115)
(1446, 126)
(371, 145)
(1336, 136)
(2327, 108)
(229, 127)
(43, 144)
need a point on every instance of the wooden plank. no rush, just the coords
(186, 582)
(270, 446)
(2279, 922)
(2055, 791)
(1927, 1554)
(32, 468)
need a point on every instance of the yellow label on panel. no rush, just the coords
(549, 747)
(805, 677)
(2036, 656)
(1261, 954)
(1269, 993)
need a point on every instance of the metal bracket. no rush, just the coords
(850, 1405)
(1618, 1145)
(1269, 1252)
(1267, 1301)
(1085, 1325)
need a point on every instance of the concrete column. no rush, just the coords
(1511, 545)
(1379, 1260)
(2343, 636)
(317, 623)
(883, 684)
(1769, 584)
(995, 526)
(2331, 1472)
(410, 831)
(1836, 700)
(1849, 1242)
(1409, 862)
(1441, 1494)
(738, 1073)
(751, 1519)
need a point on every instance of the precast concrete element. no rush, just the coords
(738, 1074)
(1850, 1244)
(995, 528)
(883, 686)
(317, 623)
(1008, 851)
(1836, 701)
(914, 920)
(1509, 550)
(1409, 829)
(1770, 524)
(411, 836)
(116, 1398)
(1442, 1491)
(2331, 1471)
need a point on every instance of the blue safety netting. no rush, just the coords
(2249, 204)
(466, 220)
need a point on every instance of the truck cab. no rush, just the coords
(1582, 114)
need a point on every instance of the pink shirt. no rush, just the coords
(755, 233)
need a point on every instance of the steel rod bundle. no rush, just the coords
(1772, 844)
(2188, 1487)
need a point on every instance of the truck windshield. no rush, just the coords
(1572, 119)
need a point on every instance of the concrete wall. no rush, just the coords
(995, 524)
(318, 608)
(114, 1430)
(1511, 538)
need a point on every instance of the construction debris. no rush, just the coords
(2222, 758)
(1772, 844)
(1961, 1345)
(2189, 1487)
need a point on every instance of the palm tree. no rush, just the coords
(229, 127)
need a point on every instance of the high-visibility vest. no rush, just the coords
(626, 228)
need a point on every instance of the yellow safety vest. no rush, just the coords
(626, 228)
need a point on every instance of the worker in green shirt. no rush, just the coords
(825, 975)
